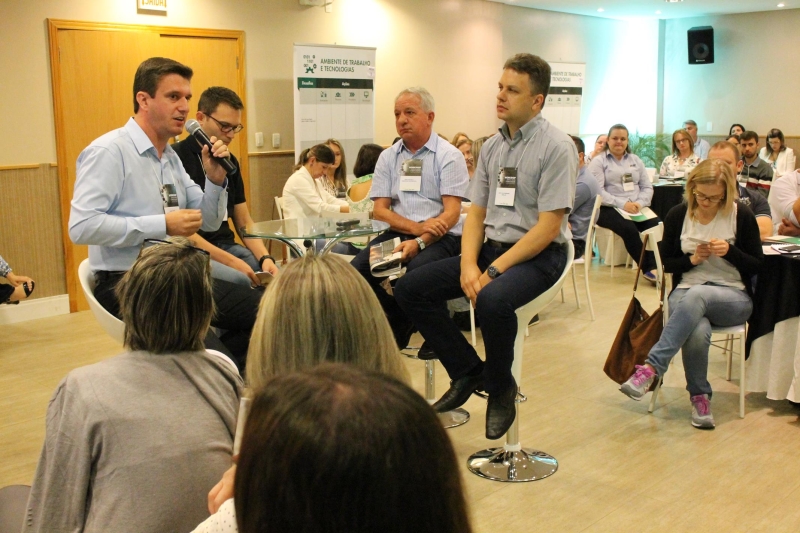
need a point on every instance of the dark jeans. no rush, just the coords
(423, 294)
(236, 308)
(446, 247)
(580, 247)
(629, 230)
(6, 290)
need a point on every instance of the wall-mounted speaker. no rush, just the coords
(701, 45)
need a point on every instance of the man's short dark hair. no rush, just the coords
(150, 72)
(537, 69)
(749, 136)
(579, 144)
(213, 96)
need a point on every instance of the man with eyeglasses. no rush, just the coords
(219, 113)
(131, 186)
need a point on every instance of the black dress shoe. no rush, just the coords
(426, 353)
(459, 392)
(500, 412)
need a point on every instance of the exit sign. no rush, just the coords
(152, 5)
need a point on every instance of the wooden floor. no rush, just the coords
(620, 468)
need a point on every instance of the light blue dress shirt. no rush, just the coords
(608, 172)
(117, 200)
(547, 166)
(444, 173)
(701, 148)
(586, 191)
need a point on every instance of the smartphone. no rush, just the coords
(265, 278)
(347, 223)
(791, 248)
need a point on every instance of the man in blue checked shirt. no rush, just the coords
(417, 188)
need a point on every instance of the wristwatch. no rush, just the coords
(261, 260)
(421, 243)
(492, 272)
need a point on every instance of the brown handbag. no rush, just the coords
(637, 333)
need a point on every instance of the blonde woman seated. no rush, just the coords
(303, 196)
(777, 154)
(335, 179)
(683, 158)
(712, 247)
(133, 443)
(320, 309)
(343, 450)
(465, 147)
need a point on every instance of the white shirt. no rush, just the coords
(304, 198)
(714, 269)
(223, 521)
(785, 162)
(782, 195)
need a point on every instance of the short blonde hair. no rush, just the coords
(320, 309)
(712, 171)
(166, 299)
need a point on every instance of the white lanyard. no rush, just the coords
(500, 161)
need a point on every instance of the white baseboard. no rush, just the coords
(33, 309)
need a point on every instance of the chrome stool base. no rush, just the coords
(512, 466)
(454, 418)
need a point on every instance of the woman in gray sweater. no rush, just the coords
(135, 442)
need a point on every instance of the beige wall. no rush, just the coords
(753, 80)
(454, 47)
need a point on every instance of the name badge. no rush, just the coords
(679, 174)
(411, 175)
(627, 182)
(506, 186)
(170, 198)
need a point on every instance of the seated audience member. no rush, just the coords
(18, 287)
(133, 443)
(340, 449)
(784, 202)
(599, 147)
(335, 179)
(737, 129)
(701, 146)
(318, 310)
(683, 159)
(777, 154)
(756, 173)
(734, 140)
(477, 145)
(729, 154)
(358, 194)
(586, 190)
(424, 211)
(458, 137)
(624, 185)
(465, 147)
(219, 113)
(303, 196)
(712, 281)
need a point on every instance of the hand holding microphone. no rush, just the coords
(216, 152)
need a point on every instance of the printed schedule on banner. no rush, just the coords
(334, 97)
(563, 104)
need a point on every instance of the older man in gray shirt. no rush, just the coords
(524, 187)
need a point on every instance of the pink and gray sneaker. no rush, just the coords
(701, 412)
(639, 383)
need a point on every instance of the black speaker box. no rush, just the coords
(701, 45)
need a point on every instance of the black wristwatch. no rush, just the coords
(492, 272)
(261, 260)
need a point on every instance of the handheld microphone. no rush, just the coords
(194, 129)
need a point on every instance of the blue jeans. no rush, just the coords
(692, 312)
(226, 273)
(423, 294)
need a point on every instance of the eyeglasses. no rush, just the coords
(713, 199)
(157, 242)
(681, 141)
(227, 128)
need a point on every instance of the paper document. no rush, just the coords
(645, 214)
(383, 262)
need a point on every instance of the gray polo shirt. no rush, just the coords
(546, 173)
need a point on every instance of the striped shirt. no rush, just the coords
(444, 173)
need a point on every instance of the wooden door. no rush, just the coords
(92, 68)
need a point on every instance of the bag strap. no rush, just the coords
(641, 260)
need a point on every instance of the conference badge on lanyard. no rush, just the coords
(170, 198)
(627, 182)
(506, 186)
(411, 175)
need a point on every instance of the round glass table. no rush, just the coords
(310, 229)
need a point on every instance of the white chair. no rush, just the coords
(111, 324)
(656, 234)
(512, 462)
(586, 259)
(610, 236)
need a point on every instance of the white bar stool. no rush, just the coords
(450, 419)
(512, 462)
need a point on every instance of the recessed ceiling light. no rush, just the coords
(673, 1)
(600, 9)
(658, 12)
(781, 5)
